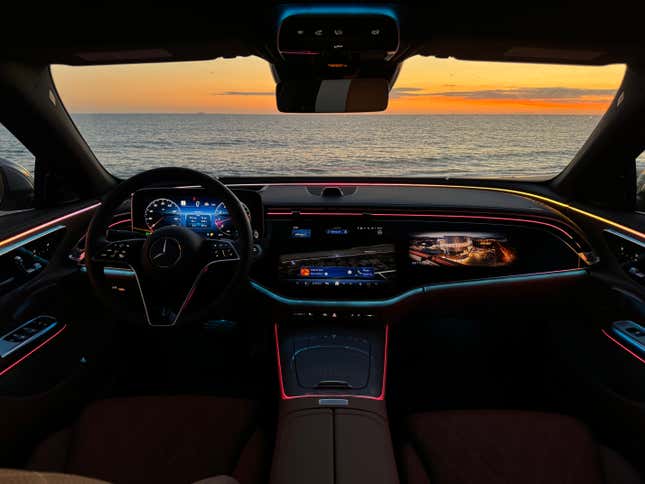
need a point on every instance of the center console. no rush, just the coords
(337, 279)
(333, 425)
(337, 360)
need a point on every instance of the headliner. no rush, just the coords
(570, 32)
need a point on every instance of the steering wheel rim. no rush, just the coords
(95, 240)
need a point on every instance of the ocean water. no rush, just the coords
(361, 145)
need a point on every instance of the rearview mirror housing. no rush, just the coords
(333, 95)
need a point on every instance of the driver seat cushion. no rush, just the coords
(174, 439)
(505, 447)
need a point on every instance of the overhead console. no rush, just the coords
(335, 58)
(368, 31)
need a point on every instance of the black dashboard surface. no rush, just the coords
(395, 196)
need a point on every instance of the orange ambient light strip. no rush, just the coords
(46, 225)
(469, 187)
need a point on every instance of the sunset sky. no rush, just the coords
(425, 85)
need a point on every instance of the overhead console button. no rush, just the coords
(310, 31)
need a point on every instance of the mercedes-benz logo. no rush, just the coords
(165, 252)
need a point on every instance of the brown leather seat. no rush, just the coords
(15, 476)
(507, 448)
(160, 440)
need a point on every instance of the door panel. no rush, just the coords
(51, 368)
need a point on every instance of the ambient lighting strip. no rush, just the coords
(465, 187)
(425, 215)
(119, 222)
(346, 9)
(46, 225)
(31, 238)
(284, 396)
(27, 355)
(618, 343)
(381, 303)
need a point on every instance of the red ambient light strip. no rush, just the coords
(284, 395)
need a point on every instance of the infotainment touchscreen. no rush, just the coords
(454, 249)
(364, 266)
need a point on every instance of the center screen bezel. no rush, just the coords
(331, 258)
(355, 267)
(425, 252)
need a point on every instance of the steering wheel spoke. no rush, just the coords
(121, 252)
(221, 250)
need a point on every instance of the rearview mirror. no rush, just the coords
(16, 187)
(332, 95)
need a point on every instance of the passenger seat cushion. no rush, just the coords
(158, 439)
(14, 476)
(502, 447)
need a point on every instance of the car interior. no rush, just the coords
(178, 326)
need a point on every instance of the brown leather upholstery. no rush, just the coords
(506, 448)
(161, 440)
(14, 476)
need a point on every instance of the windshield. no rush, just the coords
(446, 118)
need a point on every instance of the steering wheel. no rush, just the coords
(169, 263)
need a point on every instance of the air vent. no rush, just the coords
(332, 192)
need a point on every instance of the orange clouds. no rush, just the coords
(456, 105)
(425, 85)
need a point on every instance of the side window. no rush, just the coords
(16, 174)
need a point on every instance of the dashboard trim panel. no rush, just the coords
(426, 289)
(35, 230)
(17, 245)
(421, 215)
(510, 191)
(391, 301)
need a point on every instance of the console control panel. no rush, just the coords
(332, 315)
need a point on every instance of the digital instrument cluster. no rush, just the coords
(154, 208)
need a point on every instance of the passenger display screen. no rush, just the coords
(357, 267)
(458, 249)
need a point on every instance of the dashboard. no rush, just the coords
(375, 242)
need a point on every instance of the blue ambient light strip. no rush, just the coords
(380, 303)
(350, 9)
